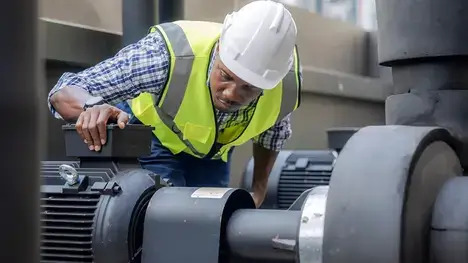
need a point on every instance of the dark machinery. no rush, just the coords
(293, 173)
(397, 192)
(92, 210)
(105, 208)
(296, 171)
(392, 194)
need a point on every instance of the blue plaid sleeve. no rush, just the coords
(275, 137)
(137, 68)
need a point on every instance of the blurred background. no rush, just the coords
(344, 86)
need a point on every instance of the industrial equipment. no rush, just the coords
(105, 208)
(296, 171)
(93, 210)
(397, 192)
(389, 190)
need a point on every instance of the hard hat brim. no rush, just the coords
(248, 76)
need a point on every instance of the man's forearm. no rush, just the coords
(264, 160)
(69, 101)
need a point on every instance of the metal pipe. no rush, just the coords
(251, 234)
(170, 10)
(449, 225)
(21, 129)
(137, 18)
(441, 74)
(425, 44)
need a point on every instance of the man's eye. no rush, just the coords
(224, 75)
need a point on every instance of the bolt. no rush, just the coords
(116, 189)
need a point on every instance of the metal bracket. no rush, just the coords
(284, 244)
(81, 185)
(106, 188)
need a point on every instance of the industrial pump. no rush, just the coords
(104, 208)
(397, 192)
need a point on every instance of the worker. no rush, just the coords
(204, 87)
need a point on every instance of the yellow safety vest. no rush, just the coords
(184, 117)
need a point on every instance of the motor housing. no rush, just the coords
(93, 209)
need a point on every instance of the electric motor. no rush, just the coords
(296, 171)
(93, 209)
(98, 217)
(293, 173)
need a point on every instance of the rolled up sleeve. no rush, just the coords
(137, 68)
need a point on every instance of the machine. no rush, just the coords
(296, 171)
(397, 192)
(105, 208)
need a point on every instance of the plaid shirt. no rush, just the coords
(144, 67)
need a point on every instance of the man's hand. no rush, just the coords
(258, 197)
(91, 124)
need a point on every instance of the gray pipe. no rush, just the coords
(137, 17)
(21, 130)
(250, 234)
(449, 225)
(170, 10)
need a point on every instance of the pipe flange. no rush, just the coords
(310, 238)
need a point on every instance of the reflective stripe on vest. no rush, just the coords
(184, 117)
(289, 97)
(180, 77)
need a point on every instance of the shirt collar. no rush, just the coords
(214, 52)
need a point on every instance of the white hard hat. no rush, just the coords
(257, 43)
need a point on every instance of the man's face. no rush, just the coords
(229, 92)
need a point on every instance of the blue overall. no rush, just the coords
(182, 169)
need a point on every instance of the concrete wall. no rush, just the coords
(341, 85)
(102, 14)
(324, 43)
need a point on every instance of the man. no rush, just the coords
(204, 87)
